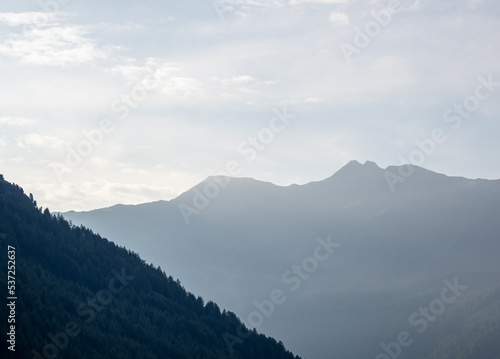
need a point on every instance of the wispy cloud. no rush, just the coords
(239, 79)
(313, 100)
(326, 2)
(17, 121)
(168, 77)
(24, 18)
(52, 46)
(39, 141)
(338, 18)
(68, 196)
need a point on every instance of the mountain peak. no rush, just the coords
(355, 168)
(371, 164)
(353, 163)
(357, 164)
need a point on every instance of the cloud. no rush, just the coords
(239, 79)
(76, 196)
(313, 100)
(17, 121)
(239, 7)
(230, 5)
(52, 46)
(168, 77)
(326, 2)
(133, 70)
(41, 141)
(246, 90)
(338, 18)
(25, 18)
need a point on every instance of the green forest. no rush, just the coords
(81, 296)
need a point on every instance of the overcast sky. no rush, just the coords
(106, 102)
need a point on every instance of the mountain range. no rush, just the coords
(346, 267)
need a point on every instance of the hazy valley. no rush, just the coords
(346, 260)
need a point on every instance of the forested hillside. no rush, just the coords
(81, 296)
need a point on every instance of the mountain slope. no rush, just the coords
(81, 296)
(243, 239)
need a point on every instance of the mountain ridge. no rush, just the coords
(245, 234)
(352, 168)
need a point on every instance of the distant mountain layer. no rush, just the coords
(352, 256)
(73, 294)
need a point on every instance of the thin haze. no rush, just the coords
(129, 102)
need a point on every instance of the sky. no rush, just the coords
(106, 102)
